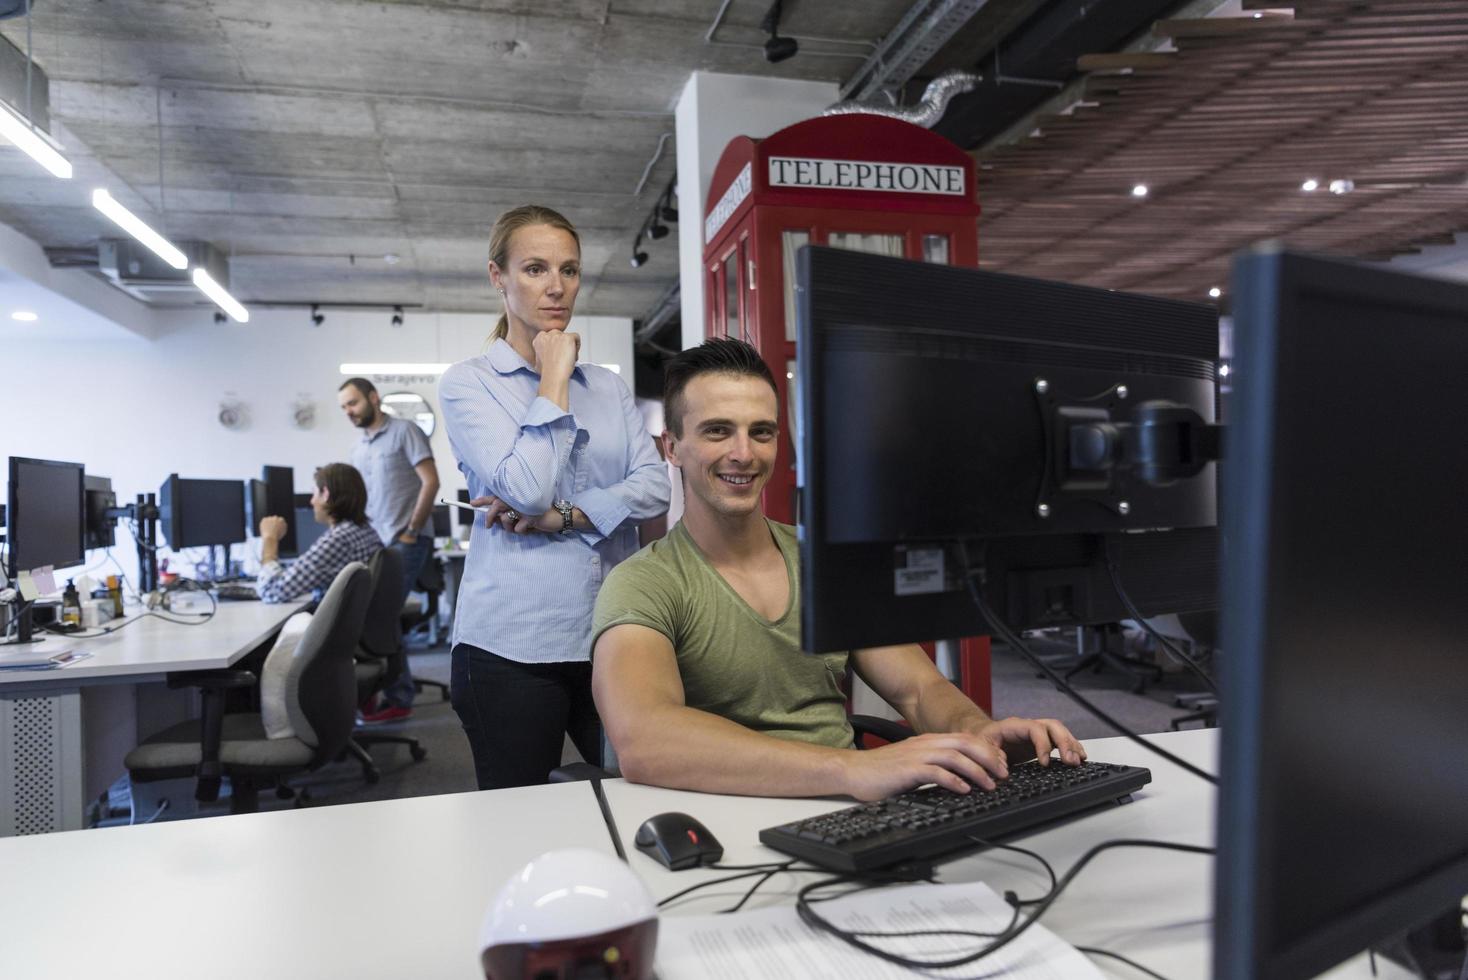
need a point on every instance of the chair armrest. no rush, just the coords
(577, 771)
(883, 728)
(212, 680)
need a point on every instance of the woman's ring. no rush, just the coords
(512, 515)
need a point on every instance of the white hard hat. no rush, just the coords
(568, 910)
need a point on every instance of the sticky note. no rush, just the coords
(27, 586)
(45, 579)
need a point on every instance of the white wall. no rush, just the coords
(136, 410)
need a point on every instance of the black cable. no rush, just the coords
(1010, 896)
(1018, 645)
(1097, 951)
(750, 894)
(1175, 652)
(710, 883)
(807, 913)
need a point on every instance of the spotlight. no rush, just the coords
(219, 317)
(777, 48)
(317, 317)
(657, 230)
(667, 210)
(638, 258)
(397, 316)
(1139, 190)
(1215, 292)
(1310, 185)
(1341, 186)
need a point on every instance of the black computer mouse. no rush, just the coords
(678, 841)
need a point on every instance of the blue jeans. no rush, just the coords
(399, 691)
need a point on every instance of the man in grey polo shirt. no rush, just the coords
(396, 462)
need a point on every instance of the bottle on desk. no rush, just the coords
(71, 606)
(114, 592)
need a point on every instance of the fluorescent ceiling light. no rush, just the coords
(392, 368)
(17, 129)
(136, 227)
(220, 296)
(24, 316)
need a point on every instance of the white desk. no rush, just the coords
(389, 889)
(63, 732)
(1150, 905)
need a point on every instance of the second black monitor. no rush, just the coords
(956, 419)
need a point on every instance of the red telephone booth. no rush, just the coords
(869, 183)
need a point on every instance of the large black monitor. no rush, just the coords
(46, 516)
(101, 529)
(201, 513)
(280, 489)
(307, 528)
(1343, 808)
(256, 506)
(464, 518)
(955, 418)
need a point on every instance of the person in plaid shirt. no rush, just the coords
(340, 502)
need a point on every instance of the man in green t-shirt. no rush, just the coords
(697, 668)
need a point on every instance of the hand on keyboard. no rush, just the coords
(956, 760)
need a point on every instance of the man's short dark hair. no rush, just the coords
(346, 492)
(720, 355)
(366, 387)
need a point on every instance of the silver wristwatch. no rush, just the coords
(564, 506)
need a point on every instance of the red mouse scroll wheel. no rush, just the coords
(692, 836)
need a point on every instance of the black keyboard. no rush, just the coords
(236, 593)
(925, 823)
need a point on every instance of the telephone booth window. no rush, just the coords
(790, 243)
(731, 294)
(935, 249)
(856, 241)
(751, 334)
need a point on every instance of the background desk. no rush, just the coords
(1153, 906)
(322, 892)
(63, 733)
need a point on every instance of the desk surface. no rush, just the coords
(319, 892)
(390, 889)
(153, 647)
(1151, 905)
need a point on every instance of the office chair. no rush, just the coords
(319, 702)
(414, 615)
(380, 654)
(1202, 630)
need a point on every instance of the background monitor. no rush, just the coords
(255, 505)
(443, 524)
(101, 530)
(936, 405)
(280, 491)
(307, 529)
(465, 518)
(1344, 798)
(200, 513)
(45, 517)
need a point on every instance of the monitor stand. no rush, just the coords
(24, 629)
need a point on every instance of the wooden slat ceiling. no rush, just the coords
(1224, 131)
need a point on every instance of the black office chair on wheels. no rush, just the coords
(416, 615)
(1202, 627)
(380, 655)
(310, 688)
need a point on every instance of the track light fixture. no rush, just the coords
(220, 317)
(667, 209)
(317, 317)
(777, 48)
(657, 229)
(397, 316)
(638, 255)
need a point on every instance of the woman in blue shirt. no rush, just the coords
(559, 453)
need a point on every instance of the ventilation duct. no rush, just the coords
(928, 111)
(132, 267)
(13, 82)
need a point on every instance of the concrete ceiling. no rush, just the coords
(309, 139)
